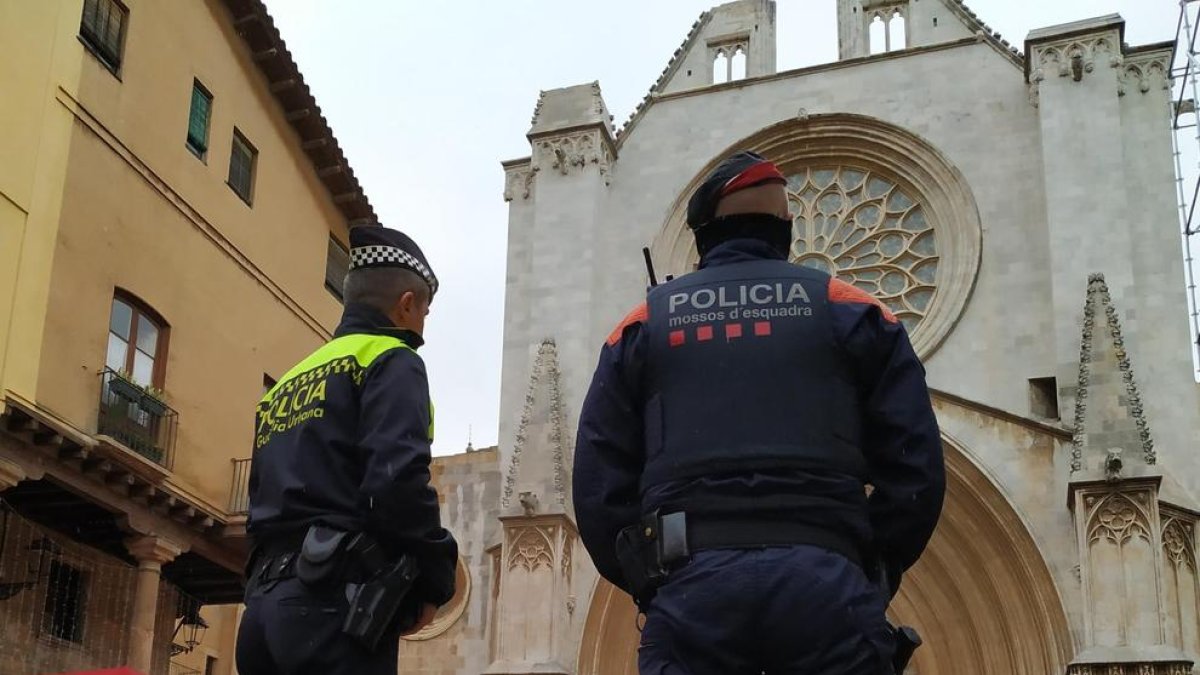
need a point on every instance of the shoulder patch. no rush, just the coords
(638, 315)
(841, 292)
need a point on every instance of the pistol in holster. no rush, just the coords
(379, 604)
(649, 551)
(907, 641)
(376, 583)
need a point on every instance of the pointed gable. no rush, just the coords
(538, 461)
(1108, 406)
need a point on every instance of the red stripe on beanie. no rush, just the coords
(759, 173)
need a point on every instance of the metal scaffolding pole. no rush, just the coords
(1187, 73)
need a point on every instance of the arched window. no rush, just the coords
(897, 32)
(721, 67)
(137, 341)
(738, 64)
(879, 35)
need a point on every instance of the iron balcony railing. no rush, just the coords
(137, 418)
(239, 490)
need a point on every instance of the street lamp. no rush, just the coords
(191, 625)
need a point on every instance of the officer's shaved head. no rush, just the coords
(382, 287)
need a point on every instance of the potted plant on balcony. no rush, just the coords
(122, 385)
(152, 401)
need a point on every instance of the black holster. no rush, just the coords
(907, 641)
(379, 604)
(377, 585)
(649, 551)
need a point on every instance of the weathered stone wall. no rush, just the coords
(468, 487)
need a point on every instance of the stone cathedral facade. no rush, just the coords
(1015, 208)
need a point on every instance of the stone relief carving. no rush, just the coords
(1144, 72)
(531, 548)
(1120, 538)
(1179, 544)
(728, 48)
(576, 151)
(870, 232)
(1084, 52)
(1117, 519)
(568, 547)
(545, 365)
(1098, 293)
(519, 181)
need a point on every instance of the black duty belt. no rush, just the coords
(714, 533)
(275, 558)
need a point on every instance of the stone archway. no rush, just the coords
(981, 596)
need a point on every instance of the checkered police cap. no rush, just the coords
(376, 246)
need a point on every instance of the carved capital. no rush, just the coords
(1145, 72)
(518, 181)
(575, 151)
(11, 473)
(1073, 57)
(153, 552)
(1059, 57)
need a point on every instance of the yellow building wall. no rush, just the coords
(242, 287)
(34, 134)
(168, 46)
(98, 191)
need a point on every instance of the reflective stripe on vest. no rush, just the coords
(335, 355)
(300, 395)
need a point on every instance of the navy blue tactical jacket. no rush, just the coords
(900, 442)
(344, 440)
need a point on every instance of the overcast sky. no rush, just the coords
(427, 97)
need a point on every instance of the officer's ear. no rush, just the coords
(408, 303)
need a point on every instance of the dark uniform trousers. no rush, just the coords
(796, 610)
(291, 629)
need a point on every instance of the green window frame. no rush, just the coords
(199, 118)
(242, 160)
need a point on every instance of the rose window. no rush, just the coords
(868, 231)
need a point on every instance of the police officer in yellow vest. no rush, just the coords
(348, 549)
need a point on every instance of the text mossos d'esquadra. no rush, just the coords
(733, 303)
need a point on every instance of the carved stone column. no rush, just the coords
(536, 598)
(151, 554)
(1134, 620)
(10, 474)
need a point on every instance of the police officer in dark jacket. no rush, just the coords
(340, 500)
(724, 447)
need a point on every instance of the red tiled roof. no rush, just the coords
(269, 53)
